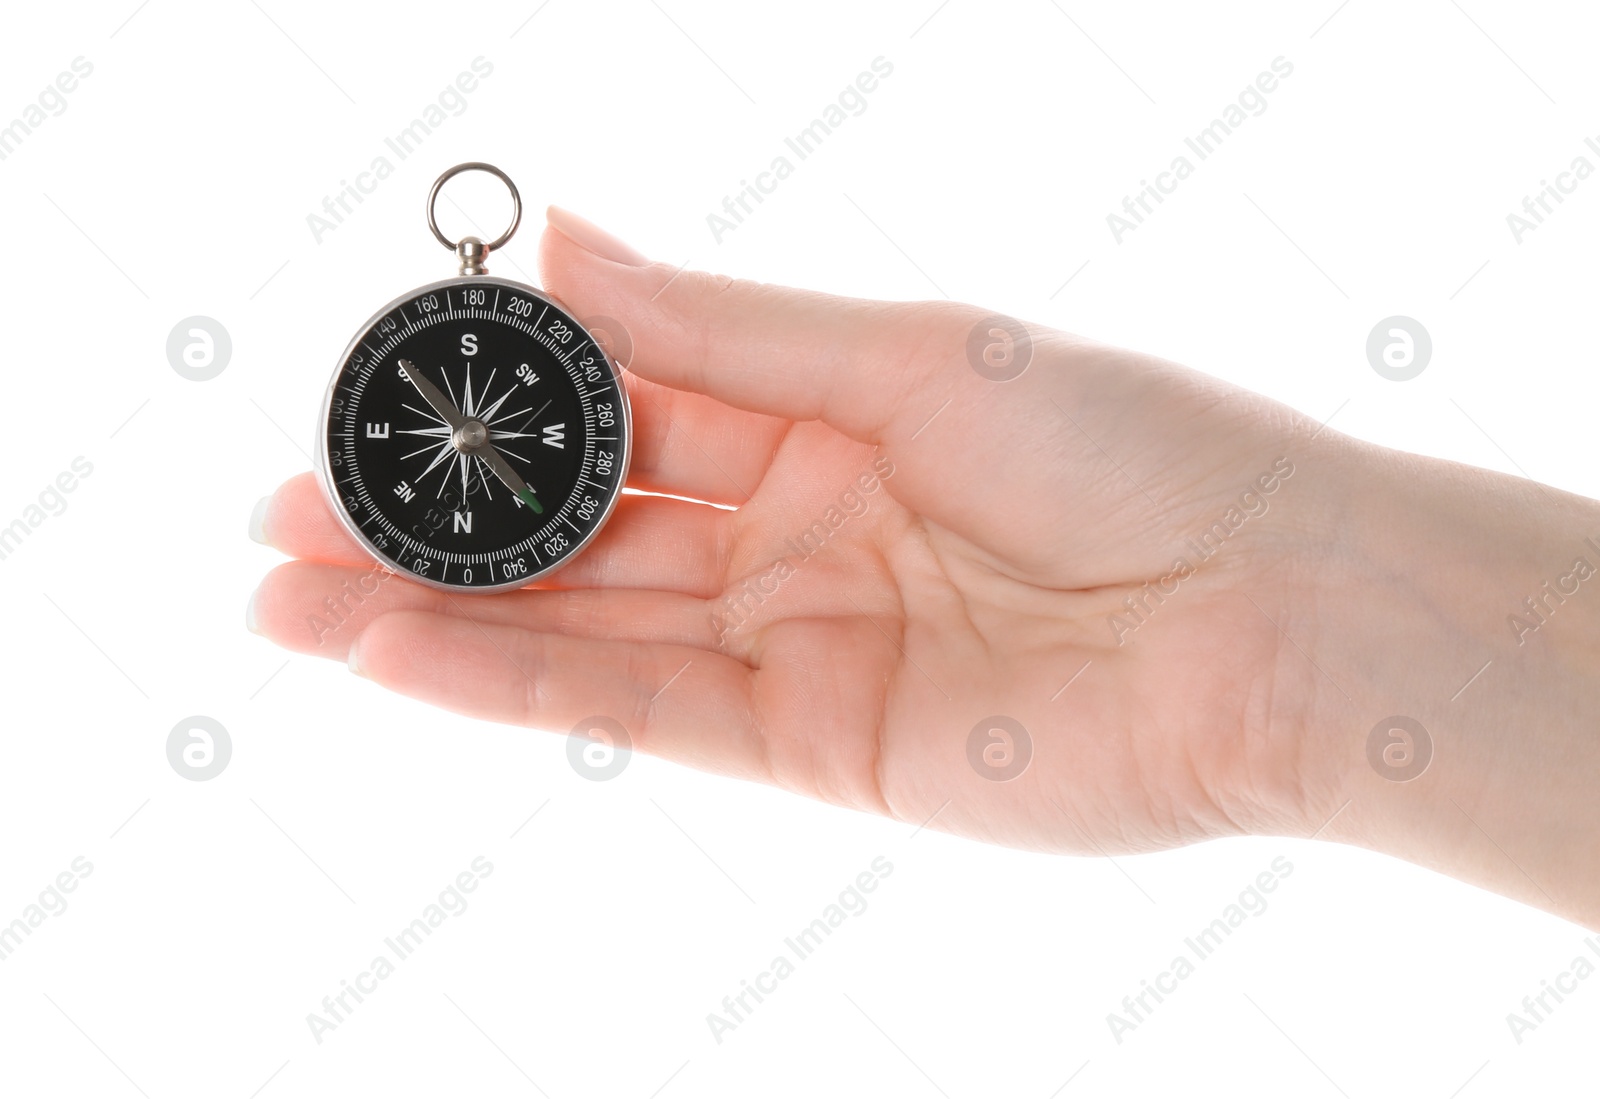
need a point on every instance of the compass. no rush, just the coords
(475, 435)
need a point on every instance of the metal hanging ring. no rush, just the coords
(475, 166)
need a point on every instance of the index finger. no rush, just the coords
(799, 354)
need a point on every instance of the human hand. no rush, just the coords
(1149, 570)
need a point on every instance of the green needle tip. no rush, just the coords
(527, 498)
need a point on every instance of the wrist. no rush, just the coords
(1461, 619)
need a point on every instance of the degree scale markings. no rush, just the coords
(364, 366)
(453, 313)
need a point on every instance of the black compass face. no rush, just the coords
(476, 436)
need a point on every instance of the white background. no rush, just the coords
(218, 914)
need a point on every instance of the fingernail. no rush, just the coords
(258, 521)
(250, 622)
(586, 234)
(352, 658)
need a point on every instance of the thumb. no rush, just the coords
(798, 354)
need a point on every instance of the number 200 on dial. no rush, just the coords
(521, 383)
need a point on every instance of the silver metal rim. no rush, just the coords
(330, 491)
(475, 166)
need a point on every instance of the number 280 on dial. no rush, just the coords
(475, 436)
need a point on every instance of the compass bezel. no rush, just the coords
(332, 496)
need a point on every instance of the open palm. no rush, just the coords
(936, 595)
